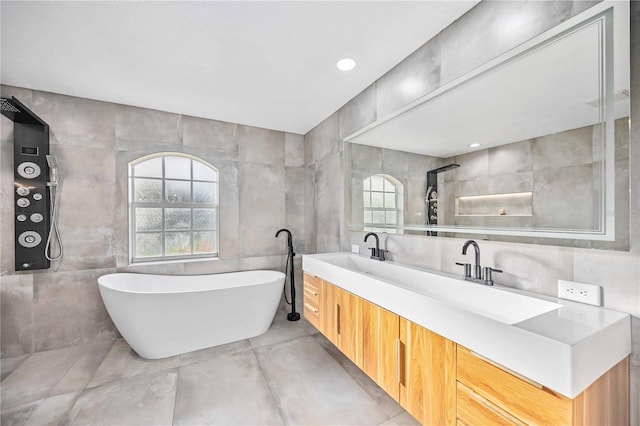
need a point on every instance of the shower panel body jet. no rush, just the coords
(431, 198)
(31, 197)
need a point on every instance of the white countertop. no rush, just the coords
(566, 348)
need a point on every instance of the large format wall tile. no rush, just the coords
(76, 121)
(262, 146)
(294, 150)
(294, 214)
(262, 208)
(358, 112)
(218, 136)
(16, 312)
(140, 128)
(68, 310)
(324, 139)
(412, 78)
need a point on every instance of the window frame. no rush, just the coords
(163, 204)
(398, 226)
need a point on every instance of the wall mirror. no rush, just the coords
(531, 147)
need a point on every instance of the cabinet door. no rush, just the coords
(428, 381)
(348, 324)
(381, 347)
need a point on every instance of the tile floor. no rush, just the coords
(289, 375)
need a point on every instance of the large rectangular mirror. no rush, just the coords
(533, 146)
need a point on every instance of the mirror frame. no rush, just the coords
(601, 14)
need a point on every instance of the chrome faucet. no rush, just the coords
(480, 275)
(477, 268)
(376, 253)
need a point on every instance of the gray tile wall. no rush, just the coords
(473, 40)
(262, 189)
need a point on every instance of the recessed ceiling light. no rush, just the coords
(346, 64)
(474, 145)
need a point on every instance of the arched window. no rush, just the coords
(383, 204)
(173, 207)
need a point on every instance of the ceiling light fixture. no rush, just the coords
(474, 145)
(346, 64)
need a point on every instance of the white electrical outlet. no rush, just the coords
(355, 248)
(585, 293)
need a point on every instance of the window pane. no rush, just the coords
(177, 168)
(176, 219)
(148, 190)
(177, 191)
(378, 217)
(390, 200)
(391, 218)
(203, 172)
(204, 242)
(368, 218)
(367, 199)
(376, 199)
(148, 219)
(149, 168)
(204, 219)
(377, 183)
(204, 192)
(388, 186)
(148, 245)
(177, 243)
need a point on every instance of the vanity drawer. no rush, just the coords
(474, 410)
(311, 292)
(521, 398)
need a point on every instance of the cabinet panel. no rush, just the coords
(428, 382)
(524, 400)
(312, 300)
(381, 357)
(329, 312)
(348, 324)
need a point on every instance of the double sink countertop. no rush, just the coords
(560, 344)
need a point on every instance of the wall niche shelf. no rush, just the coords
(519, 204)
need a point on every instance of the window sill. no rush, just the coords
(168, 262)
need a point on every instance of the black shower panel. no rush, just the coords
(31, 197)
(432, 192)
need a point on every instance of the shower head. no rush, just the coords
(15, 111)
(444, 168)
(7, 106)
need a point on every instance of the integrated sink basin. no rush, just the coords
(558, 344)
(492, 302)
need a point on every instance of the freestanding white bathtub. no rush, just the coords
(164, 315)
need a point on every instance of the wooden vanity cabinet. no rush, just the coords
(441, 383)
(487, 393)
(428, 381)
(336, 313)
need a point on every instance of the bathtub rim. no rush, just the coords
(104, 284)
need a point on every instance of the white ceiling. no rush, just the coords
(267, 64)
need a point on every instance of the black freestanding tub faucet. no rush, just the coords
(293, 315)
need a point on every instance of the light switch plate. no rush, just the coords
(579, 292)
(355, 248)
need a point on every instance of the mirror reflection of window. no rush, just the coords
(383, 201)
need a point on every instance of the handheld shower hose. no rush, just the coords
(53, 199)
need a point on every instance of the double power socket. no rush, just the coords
(579, 292)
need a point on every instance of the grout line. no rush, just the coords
(175, 398)
(273, 396)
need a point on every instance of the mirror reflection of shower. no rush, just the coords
(431, 198)
(52, 184)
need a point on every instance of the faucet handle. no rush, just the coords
(467, 269)
(488, 279)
